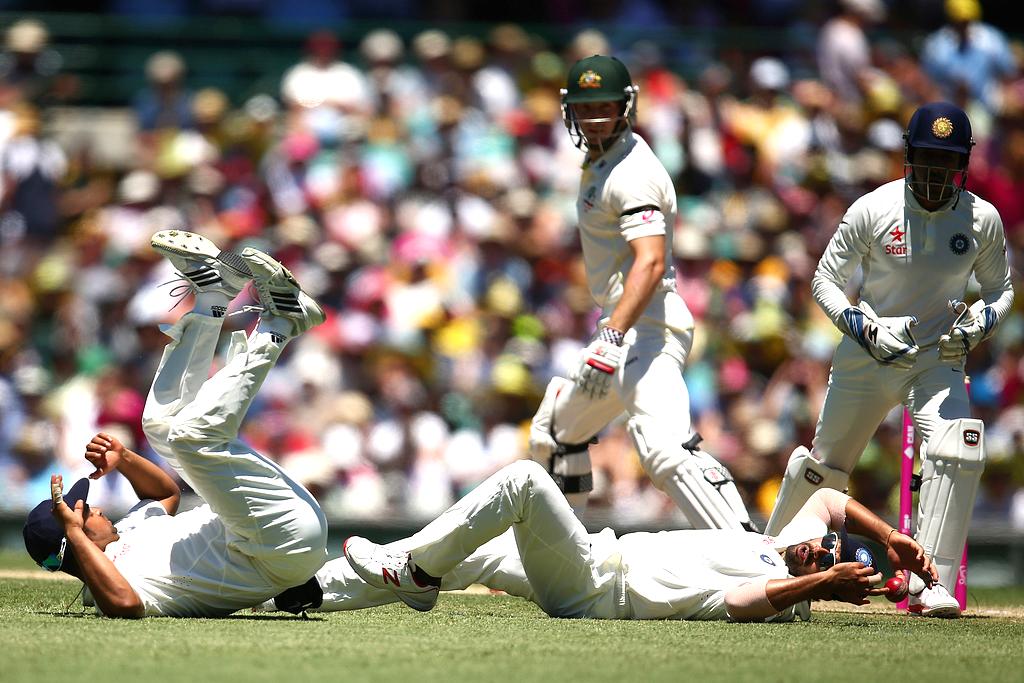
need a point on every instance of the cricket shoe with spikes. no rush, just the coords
(280, 294)
(394, 571)
(201, 263)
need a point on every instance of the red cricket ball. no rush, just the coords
(897, 586)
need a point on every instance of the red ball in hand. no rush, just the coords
(897, 586)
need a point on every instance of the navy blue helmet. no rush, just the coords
(937, 126)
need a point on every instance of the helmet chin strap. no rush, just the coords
(602, 145)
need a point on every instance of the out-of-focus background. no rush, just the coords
(408, 162)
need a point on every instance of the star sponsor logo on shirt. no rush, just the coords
(895, 241)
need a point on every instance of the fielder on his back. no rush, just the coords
(918, 241)
(258, 531)
(626, 212)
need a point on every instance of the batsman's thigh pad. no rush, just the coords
(693, 483)
(804, 475)
(952, 462)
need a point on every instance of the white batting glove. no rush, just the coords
(971, 327)
(890, 341)
(599, 363)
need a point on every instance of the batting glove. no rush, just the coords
(889, 341)
(599, 363)
(973, 326)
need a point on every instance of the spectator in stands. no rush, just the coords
(331, 97)
(967, 58)
(165, 102)
(843, 51)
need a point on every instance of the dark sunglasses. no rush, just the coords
(829, 542)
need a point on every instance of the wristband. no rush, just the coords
(611, 335)
(888, 536)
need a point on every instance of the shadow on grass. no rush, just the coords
(231, 617)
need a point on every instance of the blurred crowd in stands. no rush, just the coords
(423, 189)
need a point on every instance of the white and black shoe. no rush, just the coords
(201, 263)
(279, 292)
(394, 571)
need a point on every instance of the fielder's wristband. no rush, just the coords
(611, 335)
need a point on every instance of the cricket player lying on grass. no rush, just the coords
(517, 533)
(259, 531)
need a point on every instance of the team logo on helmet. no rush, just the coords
(589, 79)
(958, 244)
(942, 128)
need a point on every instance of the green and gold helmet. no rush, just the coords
(598, 78)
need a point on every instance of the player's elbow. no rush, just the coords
(120, 604)
(125, 609)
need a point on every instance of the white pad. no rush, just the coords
(571, 471)
(952, 461)
(804, 475)
(698, 484)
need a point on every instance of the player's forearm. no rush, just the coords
(149, 481)
(641, 282)
(783, 593)
(830, 297)
(113, 594)
(863, 522)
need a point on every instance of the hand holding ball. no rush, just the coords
(897, 586)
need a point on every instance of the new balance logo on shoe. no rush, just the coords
(390, 576)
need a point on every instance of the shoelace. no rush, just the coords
(184, 287)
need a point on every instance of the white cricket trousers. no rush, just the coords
(192, 420)
(861, 392)
(566, 578)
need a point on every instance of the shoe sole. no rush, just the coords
(178, 242)
(937, 613)
(371, 579)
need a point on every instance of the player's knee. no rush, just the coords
(659, 456)
(155, 429)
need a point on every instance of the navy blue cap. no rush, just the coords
(852, 550)
(44, 537)
(940, 125)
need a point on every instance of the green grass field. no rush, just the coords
(496, 638)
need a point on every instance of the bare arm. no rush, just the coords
(113, 594)
(642, 280)
(902, 551)
(149, 482)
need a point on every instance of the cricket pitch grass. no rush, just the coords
(482, 637)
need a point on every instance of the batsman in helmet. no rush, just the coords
(918, 242)
(634, 362)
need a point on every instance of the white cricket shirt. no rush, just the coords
(914, 260)
(184, 565)
(624, 195)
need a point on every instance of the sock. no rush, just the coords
(280, 329)
(213, 304)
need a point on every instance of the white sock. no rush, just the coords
(213, 304)
(281, 329)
